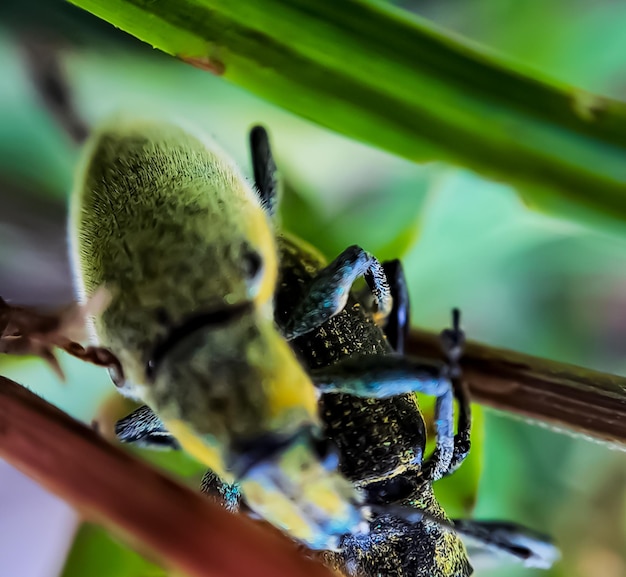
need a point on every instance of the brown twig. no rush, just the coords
(178, 527)
(28, 331)
(566, 396)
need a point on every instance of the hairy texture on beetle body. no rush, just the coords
(168, 224)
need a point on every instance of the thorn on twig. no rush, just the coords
(28, 331)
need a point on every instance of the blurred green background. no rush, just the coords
(523, 281)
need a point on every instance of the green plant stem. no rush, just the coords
(379, 75)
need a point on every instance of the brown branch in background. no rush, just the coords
(563, 395)
(178, 527)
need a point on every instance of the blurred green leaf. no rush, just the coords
(378, 75)
(80, 396)
(293, 206)
(26, 132)
(578, 42)
(385, 221)
(177, 462)
(472, 232)
(96, 554)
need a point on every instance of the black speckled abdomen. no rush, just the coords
(374, 437)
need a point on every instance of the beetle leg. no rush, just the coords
(396, 330)
(49, 79)
(462, 442)
(509, 540)
(398, 321)
(329, 291)
(445, 458)
(145, 429)
(453, 342)
(264, 169)
(381, 376)
(225, 494)
(450, 450)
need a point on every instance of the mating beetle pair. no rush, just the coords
(168, 225)
(189, 256)
(381, 442)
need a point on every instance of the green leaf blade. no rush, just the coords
(377, 75)
(96, 554)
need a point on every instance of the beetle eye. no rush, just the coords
(116, 377)
(252, 264)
